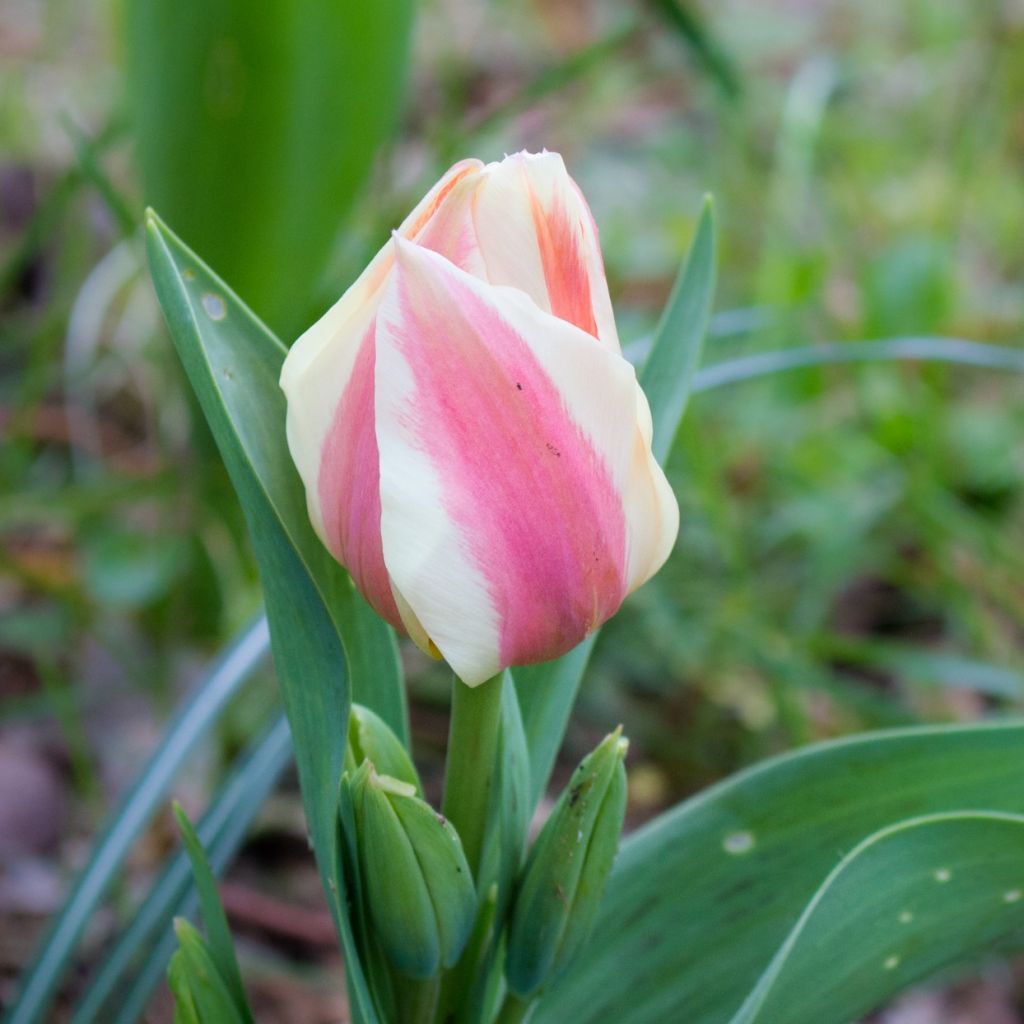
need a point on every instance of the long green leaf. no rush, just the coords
(148, 941)
(928, 894)
(233, 364)
(547, 692)
(257, 126)
(39, 987)
(667, 373)
(702, 898)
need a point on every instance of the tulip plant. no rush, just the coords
(458, 451)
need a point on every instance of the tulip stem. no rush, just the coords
(514, 1010)
(472, 755)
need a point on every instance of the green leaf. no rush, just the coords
(255, 133)
(233, 668)
(668, 371)
(233, 364)
(196, 981)
(510, 812)
(547, 692)
(925, 895)
(218, 934)
(701, 899)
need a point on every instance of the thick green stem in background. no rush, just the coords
(469, 769)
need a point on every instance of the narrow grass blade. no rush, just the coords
(922, 349)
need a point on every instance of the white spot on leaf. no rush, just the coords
(214, 306)
(738, 842)
(943, 875)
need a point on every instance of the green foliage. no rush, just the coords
(132, 967)
(218, 945)
(39, 985)
(256, 130)
(315, 615)
(701, 899)
(956, 876)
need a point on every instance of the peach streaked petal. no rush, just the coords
(536, 233)
(502, 458)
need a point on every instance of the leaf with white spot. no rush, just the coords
(702, 899)
(849, 951)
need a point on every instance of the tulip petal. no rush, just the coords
(506, 437)
(536, 232)
(652, 512)
(328, 381)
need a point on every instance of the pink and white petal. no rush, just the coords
(652, 512)
(505, 439)
(536, 233)
(313, 390)
(328, 380)
(342, 322)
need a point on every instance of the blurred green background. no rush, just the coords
(852, 547)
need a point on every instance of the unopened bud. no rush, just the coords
(562, 883)
(371, 739)
(418, 886)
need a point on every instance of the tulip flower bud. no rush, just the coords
(563, 880)
(475, 449)
(417, 883)
(371, 739)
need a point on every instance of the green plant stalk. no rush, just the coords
(514, 1010)
(468, 782)
(417, 999)
(469, 769)
(458, 984)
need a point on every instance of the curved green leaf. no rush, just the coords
(924, 895)
(314, 612)
(667, 373)
(702, 898)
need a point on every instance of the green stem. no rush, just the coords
(469, 770)
(417, 999)
(514, 1010)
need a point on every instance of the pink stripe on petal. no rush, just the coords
(349, 486)
(532, 499)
